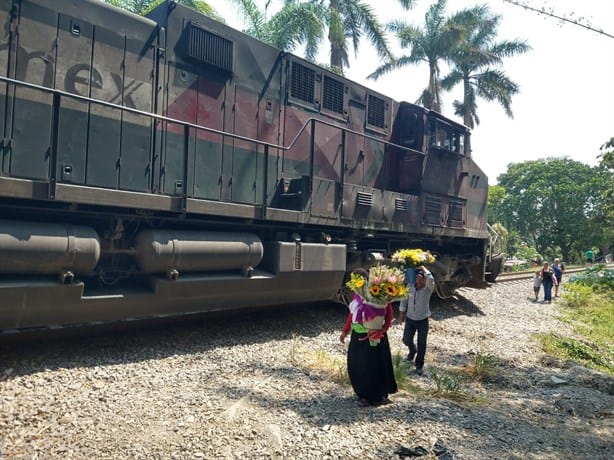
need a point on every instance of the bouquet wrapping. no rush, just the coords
(372, 295)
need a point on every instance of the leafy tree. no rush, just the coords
(145, 6)
(607, 155)
(515, 243)
(604, 212)
(500, 244)
(432, 44)
(496, 194)
(551, 203)
(474, 63)
(528, 253)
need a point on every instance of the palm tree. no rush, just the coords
(299, 22)
(348, 21)
(144, 6)
(474, 64)
(294, 24)
(431, 44)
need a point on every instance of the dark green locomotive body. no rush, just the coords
(171, 164)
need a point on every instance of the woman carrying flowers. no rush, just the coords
(369, 360)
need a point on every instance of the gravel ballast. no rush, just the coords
(260, 385)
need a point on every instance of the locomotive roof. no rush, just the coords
(161, 14)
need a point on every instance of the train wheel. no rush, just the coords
(444, 290)
(344, 296)
(494, 268)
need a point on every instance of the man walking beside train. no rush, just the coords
(415, 313)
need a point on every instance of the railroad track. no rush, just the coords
(528, 274)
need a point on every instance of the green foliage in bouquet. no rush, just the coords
(385, 284)
(412, 258)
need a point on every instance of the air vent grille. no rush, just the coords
(376, 112)
(210, 48)
(401, 205)
(333, 95)
(455, 214)
(432, 211)
(364, 199)
(303, 83)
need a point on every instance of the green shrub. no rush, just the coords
(446, 383)
(589, 307)
(599, 277)
(483, 366)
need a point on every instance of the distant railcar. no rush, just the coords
(171, 164)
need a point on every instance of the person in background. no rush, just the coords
(537, 282)
(558, 268)
(589, 256)
(415, 313)
(548, 280)
(369, 361)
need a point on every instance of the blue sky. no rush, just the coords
(566, 104)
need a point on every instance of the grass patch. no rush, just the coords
(450, 385)
(588, 306)
(401, 369)
(483, 367)
(446, 383)
(332, 366)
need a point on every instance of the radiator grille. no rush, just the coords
(455, 214)
(432, 211)
(376, 112)
(210, 48)
(303, 83)
(333, 95)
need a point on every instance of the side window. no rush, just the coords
(461, 144)
(410, 135)
(432, 133)
(446, 137)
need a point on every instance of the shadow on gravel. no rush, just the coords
(454, 306)
(527, 420)
(154, 339)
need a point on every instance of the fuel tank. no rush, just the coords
(34, 248)
(159, 251)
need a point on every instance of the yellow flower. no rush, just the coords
(412, 257)
(384, 284)
(391, 290)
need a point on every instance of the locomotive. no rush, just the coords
(170, 164)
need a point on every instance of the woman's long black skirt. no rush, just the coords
(370, 368)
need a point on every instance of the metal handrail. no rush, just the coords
(57, 94)
(156, 116)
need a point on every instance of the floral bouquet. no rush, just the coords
(372, 294)
(412, 258)
(384, 285)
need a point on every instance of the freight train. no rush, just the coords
(169, 165)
